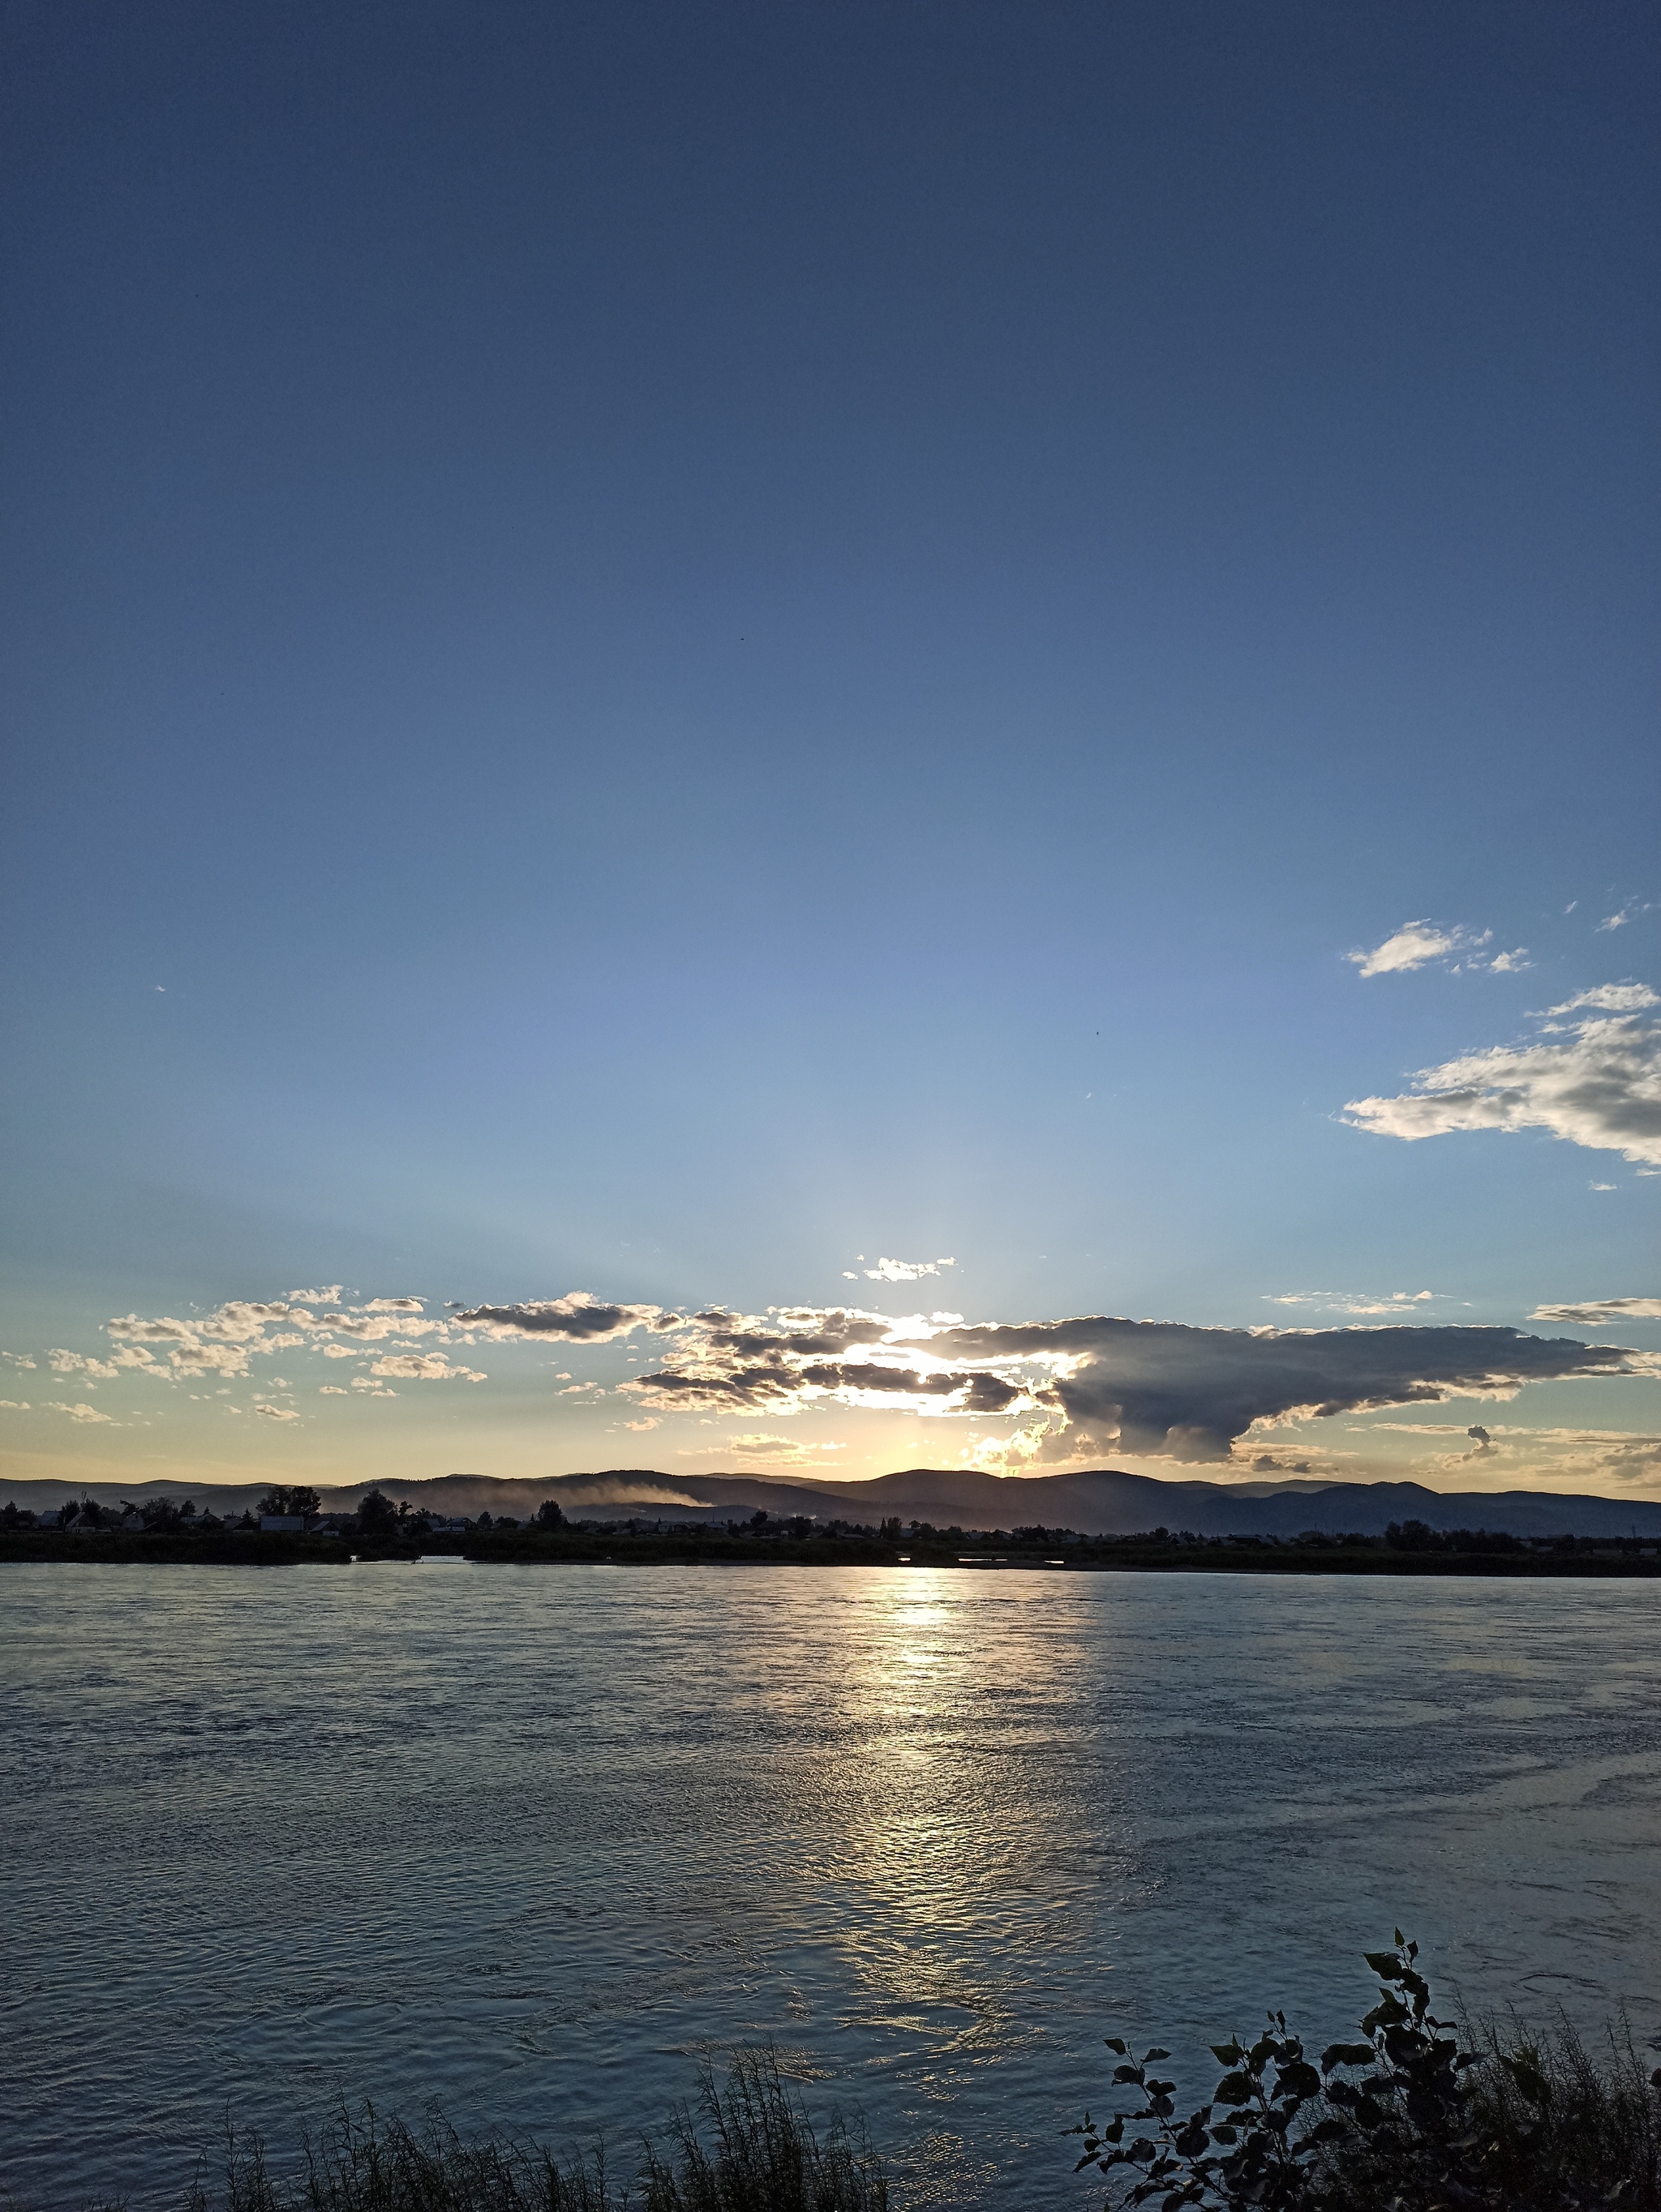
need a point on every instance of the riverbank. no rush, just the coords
(1050, 1552)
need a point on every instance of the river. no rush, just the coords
(529, 1840)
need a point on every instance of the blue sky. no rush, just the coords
(664, 652)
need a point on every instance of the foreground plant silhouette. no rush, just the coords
(748, 2147)
(1521, 2124)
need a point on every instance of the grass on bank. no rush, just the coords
(747, 2146)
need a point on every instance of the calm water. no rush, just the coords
(530, 1839)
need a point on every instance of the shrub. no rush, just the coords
(1522, 2125)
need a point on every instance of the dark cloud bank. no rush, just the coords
(1165, 1386)
(1145, 1386)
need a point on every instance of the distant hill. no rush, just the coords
(1107, 1502)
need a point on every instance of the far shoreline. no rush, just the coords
(1567, 1557)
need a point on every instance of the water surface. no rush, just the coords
(530, 1839)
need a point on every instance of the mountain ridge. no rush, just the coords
(1104, 1501)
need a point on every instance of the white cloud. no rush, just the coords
(1354, 1302)
(77, 1363)
(1415, 944)
(80, 1413)
(16, 1359)
(329, 1295)
(1601, 1088)
(331, 1390)
(1621, 917)
(1600, 1313)
(1609, 998)
(375, 1390)
(277, 1413)
(341, 1351)
(905, 1271)
(423, 1367)
(14, 1404)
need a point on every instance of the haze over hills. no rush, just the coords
(1103, 1502)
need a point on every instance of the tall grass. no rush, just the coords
(747, 2145)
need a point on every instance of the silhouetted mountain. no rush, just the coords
(1105, 1502)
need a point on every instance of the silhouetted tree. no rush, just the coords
(549, 1514)
(291, 1499)
(377, 1519)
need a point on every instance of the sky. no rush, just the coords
(818, 738)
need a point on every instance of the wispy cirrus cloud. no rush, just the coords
(1360, 1303)
(1600, 1313)
(1607, 998)
(1594, 1082)
(1623, 914)
(1427, 943)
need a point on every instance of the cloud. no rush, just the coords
(1099, 1382)
(222, 1342)
(1600, 1313)
(1163, 1386)
(277, 1413)
(375, 1390)
(1622, 915)
(77, 1363)
(329, 1295)
(905, 1271)
(1480, 1437)
(1416, 944)
(14, 1404)
(80, 1413)
(801, 1355)
(16, 1359)
(779, 1451)
(1609, 998)
(577, 1318)
(1354, 1302)
(331, 1390)
(423, 1367)
(1599, 1087)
